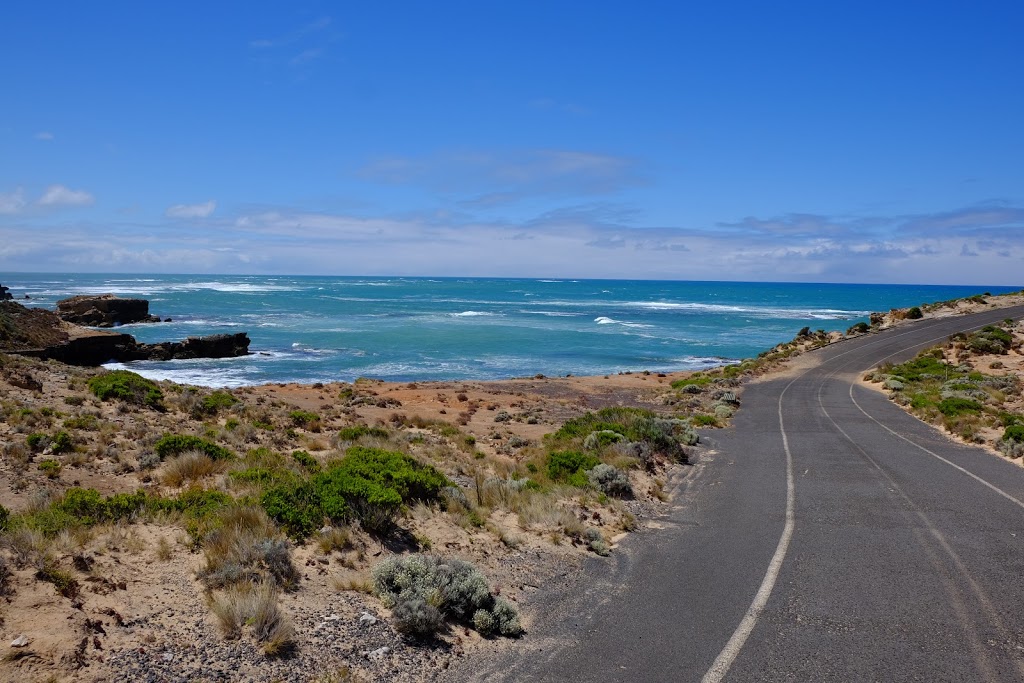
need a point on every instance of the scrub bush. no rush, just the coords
(610, 480)
(368, 484)
(454, 588)
(175, 444)
(570, 467)
(128, 387)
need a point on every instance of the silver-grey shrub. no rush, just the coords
(610, 480)
(456, 589)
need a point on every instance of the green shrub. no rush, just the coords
(36, 442)
(61, 443)
(1015, 433)
(51, 468)
(126, 386)
(212, 403)
(705, 420)
(696, 379)
(5, 517)
(925, 366)
(416, 617)
(307, 461)
(86, 422)
(990, 339)
(859, 328)
(636, 424)
(62, 581)
(956, 406)
(174, 444)
(598, 440)
(301, 418)
(368, 484)
(914, 313)
(571, 467)
(359, 431)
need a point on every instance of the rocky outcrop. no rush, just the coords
(42, 334)
(5, 293)
(104, 310)
(211, 346)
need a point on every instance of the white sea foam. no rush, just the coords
(306, 348)
(471, 314)
(224, 373)
(604, 320)
(758, 311)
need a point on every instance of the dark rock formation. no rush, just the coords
(104, 310)
(5, 293)
(42, 334)
(212, 346)
(97, 349)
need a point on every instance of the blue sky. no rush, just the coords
(825, 142)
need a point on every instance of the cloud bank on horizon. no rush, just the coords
(751, 143)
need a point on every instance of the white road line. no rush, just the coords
(739, 637)
(732, 648)
(970, 474)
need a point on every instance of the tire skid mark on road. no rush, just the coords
(978, 651)
(979, 593)
(720, 667)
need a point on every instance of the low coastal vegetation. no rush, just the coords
(966, 387)
(262, 500)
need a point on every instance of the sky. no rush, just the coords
(755, 141)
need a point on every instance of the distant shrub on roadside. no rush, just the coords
(956, 406)
(610, 480)
(1014, 432)
(859, 328)
(571, 467)
(990, 339)
(128, 387)
(914, 313)
(422, 590)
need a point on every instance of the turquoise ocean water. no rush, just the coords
(310, 329)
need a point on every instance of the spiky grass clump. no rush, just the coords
(254, 606)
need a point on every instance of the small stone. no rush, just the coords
(168, 657)
(367, 619)
(378, 653)
(20, 641)
(332, 617)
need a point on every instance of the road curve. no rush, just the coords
(827, 536)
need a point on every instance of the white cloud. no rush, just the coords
(12, 202)
(58, 195)
(203, 210)
(44, 135)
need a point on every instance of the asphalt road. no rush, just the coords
(826, 536)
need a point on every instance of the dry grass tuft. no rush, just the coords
(254, 606)
(189, 467)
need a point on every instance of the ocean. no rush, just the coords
(310, 329)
